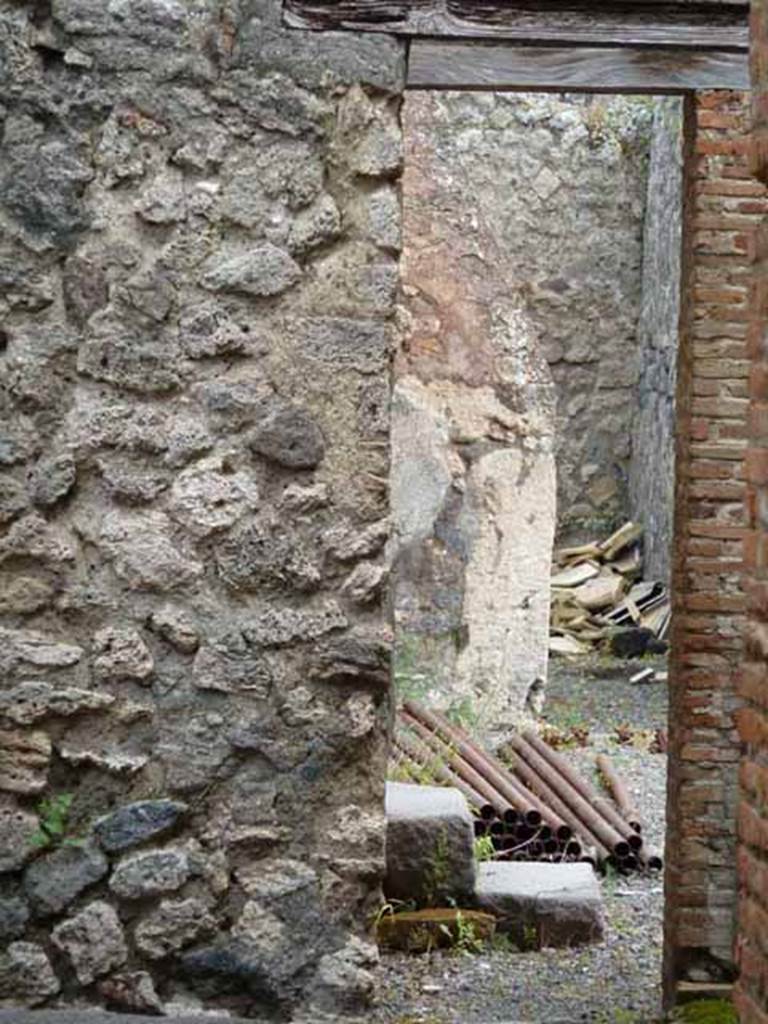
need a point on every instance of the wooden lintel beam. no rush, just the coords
(442, 65)
(678, 24)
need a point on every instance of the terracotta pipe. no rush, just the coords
(499, 801)
(651, 859)
(605, 835)
(577, 826)
(523, 833)
(533, 808)
(628, 863)
(589, 855)
(585, 791)
(556, 824)
(618, 790)
(547, 794)
(423, 756)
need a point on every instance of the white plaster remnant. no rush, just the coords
(489, 580)
(507, 592)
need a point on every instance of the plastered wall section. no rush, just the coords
(199, 228)
(724, 210)
(473, 465)
(557, 185)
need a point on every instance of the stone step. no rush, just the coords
(540, 904)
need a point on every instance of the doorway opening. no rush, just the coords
(534, 415)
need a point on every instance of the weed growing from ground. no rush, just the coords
(484, 848)
(463, 937)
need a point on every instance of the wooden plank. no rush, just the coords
(437, 65)
(667, 23)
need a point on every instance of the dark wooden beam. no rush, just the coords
(677, 24)
(440, 65)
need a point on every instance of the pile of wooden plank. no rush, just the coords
(598, 587)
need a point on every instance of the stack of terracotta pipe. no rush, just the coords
(534, 807)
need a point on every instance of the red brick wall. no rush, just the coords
(751, 993)
(725, 208)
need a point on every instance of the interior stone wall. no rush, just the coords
(652, 462)
(560, 184)
(199, 225)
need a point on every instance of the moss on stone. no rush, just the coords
(706, 1011)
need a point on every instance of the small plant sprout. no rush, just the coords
(53, 815)
(484, 848)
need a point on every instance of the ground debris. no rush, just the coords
(598, 598)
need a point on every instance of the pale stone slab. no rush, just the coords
(545, 904)
(507, 589)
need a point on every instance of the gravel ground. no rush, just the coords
(616, 982)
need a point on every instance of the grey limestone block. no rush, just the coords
(150, 873)
(93, 940)
(430, 844)
(26, 976)
(549, 904)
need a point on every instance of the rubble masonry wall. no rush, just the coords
(199, 233)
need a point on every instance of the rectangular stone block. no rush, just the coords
(430, 845)
(541, 904)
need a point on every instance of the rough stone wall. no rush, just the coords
(198, 236)
(724, 208)
(560, 183)
(751, 995)
(652, 463)
(473, 477)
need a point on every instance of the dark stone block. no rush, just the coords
(288, 435)
(14, 914)
(42, 192)
(354, 660)
(634, 642)
(262, 554)
(233, 965)
(54, 880)
(135, 823)
(320, 59)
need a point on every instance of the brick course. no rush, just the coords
(716, 477)
(751, 992)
